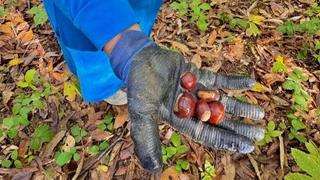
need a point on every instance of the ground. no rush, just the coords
(49, 132)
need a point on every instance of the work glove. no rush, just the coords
(152, 77)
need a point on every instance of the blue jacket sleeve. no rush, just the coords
(99, 20)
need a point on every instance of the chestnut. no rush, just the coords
(217, 110)
(188, 81)
(209, 95)
(203, 111)
(185, 105)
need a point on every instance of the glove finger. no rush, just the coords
(145, 135)
(242, 109)
(252, 132)
(208, 135)
(222, 81)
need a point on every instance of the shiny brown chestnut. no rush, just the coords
(217, 110)
(203, 112)
(188, 81)
(185, 105)
(208, 95)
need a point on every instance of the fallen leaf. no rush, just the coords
(212, 38)
(255, 166)
(183, 48)
(229, 167)
(235, 50)
(25, 36)
(23, 148)
(69, 143)
(258, 87)
(53, 143)
(99, 135)
(170, 174)
(256, 19)
(70, 91)
(121, 117)
(15, 61)
(196, 60)
(6, 96)
(272, 78)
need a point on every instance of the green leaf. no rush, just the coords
(185, 165)
(287, 28)
(297, 176)
(108, 119)
(76, 130)
(3, 11)
(279, 66)
(307, 162)
(63, 158)
(175, 139)
(12, 132)
(297, 124)
(6, 163)
(22, 84)
(171, 151)
(8, 122)
(104, 145)
(312, 149)
(18, 164)
(39, 15)
(271, 126)
(14, 155)
(76, 156)
(209, 169)
(101, 126)
(181, 149)
(38, 104)
(35, 144)
(238, 22)
(44, 133)
(275, 133)
(178, 168)
(93, 150)
(253, 29)
(30, 76)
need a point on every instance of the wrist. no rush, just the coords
(124, 51)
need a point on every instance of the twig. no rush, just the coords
(89, 164)
(252, 7)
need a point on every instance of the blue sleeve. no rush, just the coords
(99, 20)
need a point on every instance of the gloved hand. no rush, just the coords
(152, 75)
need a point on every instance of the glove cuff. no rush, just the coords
(129, 45)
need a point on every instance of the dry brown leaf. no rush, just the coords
(25, 36)
(23, 148)
(99, 135)
(121, 117)
(271, 78)
(235, 50)
(196, 60)
(183, 48)
(255, 166)
(6, 95)
(212, 38)
(170, 174)
(69, 143)
(229, 168)
(53, 143)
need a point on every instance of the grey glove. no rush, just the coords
(153, 86)
(152, 76)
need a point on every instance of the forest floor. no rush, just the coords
(48, 132)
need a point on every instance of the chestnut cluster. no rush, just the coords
(204, 107)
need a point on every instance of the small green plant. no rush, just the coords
(31, 79)
(197, 9)
(300, 96)
(308, 162)
(310, 27)
(107, 123)
(313, 10)
(39, 15)
(270, 133)
(279, 66)
(300, 103)
(41, 135)
(250, 25)
(3, 11)
(209, 171)
(95, 149)
(182, 165)
(12, 160)
(64, 157)
(78, 133)
(176, 148)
